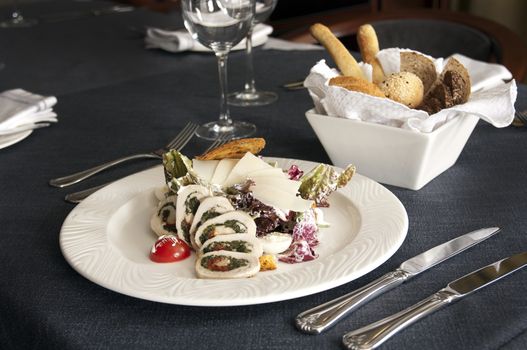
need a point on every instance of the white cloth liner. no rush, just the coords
(491, 99)
(19, 107)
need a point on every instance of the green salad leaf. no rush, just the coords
(179, 171)
(323, 180)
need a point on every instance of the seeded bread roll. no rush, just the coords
(342, 57)
(403, 87)
(369, 47)
(421, 66)
(357, 84)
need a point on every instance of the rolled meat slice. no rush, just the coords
(209, 208)
(224, 264)
(232, 222)
(187, 203)
(163, 221)
(240, 243)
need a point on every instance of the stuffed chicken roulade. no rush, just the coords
(209, 208)
(231, 222)
(240, 243)
(188, 201)
(224, 264)
(163, 221)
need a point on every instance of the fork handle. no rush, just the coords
(373, 335)
(82, 175)
(322, 317)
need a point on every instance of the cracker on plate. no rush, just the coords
(235, 149)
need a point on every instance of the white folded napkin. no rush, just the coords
(284, 45)
(181, 40)
(492, 99)
(20, 109)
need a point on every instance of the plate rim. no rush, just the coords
(80, 267)
(20, 136)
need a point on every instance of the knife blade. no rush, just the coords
(322, 317)
(371, 336)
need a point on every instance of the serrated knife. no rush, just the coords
(372, 336)
(320, 318)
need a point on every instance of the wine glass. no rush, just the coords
(16, 19)
(219, 25)
(250, 96)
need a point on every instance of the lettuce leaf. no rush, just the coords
(323, 180)
(179, 172)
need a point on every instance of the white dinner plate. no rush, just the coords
(107, 239)
(8, 140)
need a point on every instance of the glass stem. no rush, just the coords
(249, 74)
(225, 117)
(16, 15)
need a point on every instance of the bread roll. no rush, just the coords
(421, 66)
(357, 84)
(403, 87)
(451, 88)
(343, 59)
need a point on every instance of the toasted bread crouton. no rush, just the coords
(235, 149)
(267, 262)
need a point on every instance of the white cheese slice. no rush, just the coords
(222, 170)
(205, 168)
(249, 162)
(289, 186)
(271, 172)
(281, 199)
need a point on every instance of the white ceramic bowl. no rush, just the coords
(391, 155)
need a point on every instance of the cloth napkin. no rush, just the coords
(20, 109)
(181, 40)
(492, 98)
(284, 45)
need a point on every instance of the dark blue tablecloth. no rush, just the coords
(116, 98)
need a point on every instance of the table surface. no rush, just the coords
(116, 98)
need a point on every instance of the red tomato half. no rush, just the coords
(169, 248)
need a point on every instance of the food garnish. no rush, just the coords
(168, 248)
(235, 149)
(233, 211)
(323, 180)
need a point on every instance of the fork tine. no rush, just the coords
(185, 137)
(522, 116)
(221, 140)
(181, 135)
(184, 142)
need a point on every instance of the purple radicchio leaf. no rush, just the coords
(298, 252)
(294, 172)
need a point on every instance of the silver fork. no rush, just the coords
(221, 140)
(77, 197)
(522, 117)
(181, 140)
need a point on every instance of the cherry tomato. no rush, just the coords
(169, 248)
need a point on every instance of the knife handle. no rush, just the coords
(320, 318)
(373, 335)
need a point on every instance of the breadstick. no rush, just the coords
(369, 47)
(357, 84)
(342, 57)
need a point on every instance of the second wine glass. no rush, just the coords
(219, 25)
(250, 96)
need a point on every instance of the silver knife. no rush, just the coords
(320, 318)
(372, 336)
